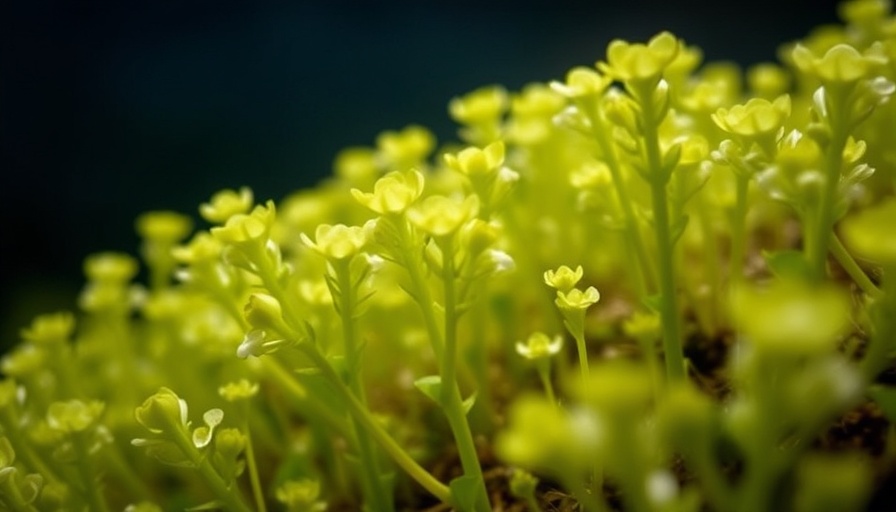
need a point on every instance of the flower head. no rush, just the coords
(225, 204)
(577, 299)
(164, 226)
(640, 63)
(582, 82)
(474, 162)
(539, 346)
(480, 106)
(440, 216)
(393, 193)
(238, 390)
(74, 415)
(244, 228)
(756, 118)
(110, 267)
(564, 278)
(406, 148)
(841, 64)
(50, 329)
(161, 410)
(338, 242)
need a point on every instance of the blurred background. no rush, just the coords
(109, 109)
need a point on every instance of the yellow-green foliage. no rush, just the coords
(525, 314)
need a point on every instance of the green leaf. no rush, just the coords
(678, 227)
(211, 505)
(653, 302)
(431, 386)
(885, 396)
(468, 403)
(463, 492)
(788, 264)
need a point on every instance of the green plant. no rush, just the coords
(394, 338)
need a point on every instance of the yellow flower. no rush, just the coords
(576, 299)
(247, 228)
(539, 346)
(757, 118)
(475, 162)
(74, 415)
(50, 329)
(480, 106)
(338, 242)
(640, 63)
(582, 82)
(238, 390)
(393, 193)
(564, 278)
(161, 410)
(357, 165)
(110, 267)
(440, 216)
(841, 64)
(225, 204)
(202, 247)
(164, 226)
(406, 148)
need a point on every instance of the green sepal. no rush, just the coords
(463, 492)
(431, 386)
(788, 264)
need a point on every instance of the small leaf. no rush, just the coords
(678, 227)
(463, 492)
(468, 403)
(431, 386)
(653, 302)
(211, 505)
(787, 264)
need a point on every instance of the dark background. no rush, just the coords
(109, 109)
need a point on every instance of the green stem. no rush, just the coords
(544, 373)
(817, 249)
(739, 229)
(644, 271)
(12, 428)
(85, 465)
(414, 267)
(227, 494)
(14, 498)
(582, 350)
(659, 177)
(377, 495)
(852, 268)
(452, 404)
(254, 481)
(401, 457)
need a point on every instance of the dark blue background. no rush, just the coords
(109, 109)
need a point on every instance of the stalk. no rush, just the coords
(452, 403)
(398, 454)
(374, 491)
(817, 248)
(228, 495)
(644, 272)
(672, 346)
